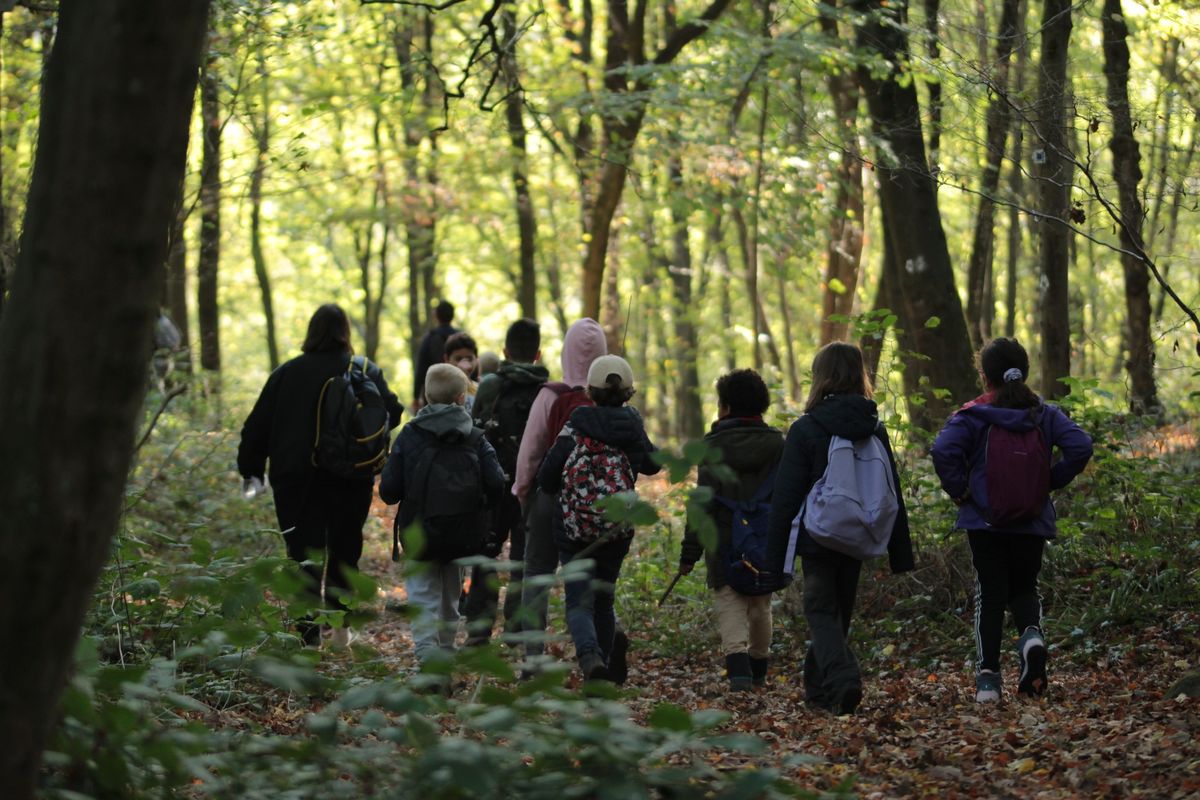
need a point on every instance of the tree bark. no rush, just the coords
(932, 9)
(176, 298)
(909, 200)
(75, 341)
(1054, 180)
(262, 143)
(844, 251)
(526, 222)
(207, 305)
(1143, 395)
(626, 48)
(980, 309)
(689, 413)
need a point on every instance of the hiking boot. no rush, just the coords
(987, 686)
(1031, 649)
(737, 667)
(618, 666)
(758, 669)
(847, 700)
(593, 668)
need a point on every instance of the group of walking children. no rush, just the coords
(547, 467)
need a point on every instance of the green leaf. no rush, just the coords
(669, 717)
(933, 322)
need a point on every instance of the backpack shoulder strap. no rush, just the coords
(767, 487)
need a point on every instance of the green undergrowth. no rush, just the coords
(190, 682)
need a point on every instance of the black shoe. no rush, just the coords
(593, 668)
(737, 667)
(847, 700)
(618, 665)
(758, 670)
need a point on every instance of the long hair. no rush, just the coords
(328, 331)
(998, 357)
(838, 368)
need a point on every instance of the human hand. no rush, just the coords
(252, 487)
(686, 569)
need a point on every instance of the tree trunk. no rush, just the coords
(999, 120)
(932, 312)
(1016, 188)
(846, 227)
(76, 338)
(932, 9)
(1173, 221)
(526, 222)
(262, 142)
(1143, 396)
(176, 299)
(1053, 175)
(689, 414)
(207, 307)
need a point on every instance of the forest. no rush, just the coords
(720, 184)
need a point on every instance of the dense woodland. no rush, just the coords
(720, 184)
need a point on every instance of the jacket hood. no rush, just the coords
(619, 426)
(442, 418)
(746, 444)
(850, 416)
(582, 345)
(1011, 419)
(523, 373)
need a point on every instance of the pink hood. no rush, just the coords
(582, 345)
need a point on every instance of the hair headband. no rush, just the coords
(1013, 374)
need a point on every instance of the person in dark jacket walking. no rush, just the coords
(589, 608)
(839, 404)
(318, 512)
(749, 452)
(502, 406)
(433, 580)
(1007, 556)
(432, 350)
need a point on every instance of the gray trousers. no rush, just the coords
(541, 562)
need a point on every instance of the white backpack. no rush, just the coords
(852, 508)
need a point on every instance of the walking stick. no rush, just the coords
(667, 593)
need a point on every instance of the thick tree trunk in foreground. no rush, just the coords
(75, 342)
(909, 199)
(1054, 190)
(1143, 396)
(208, 310)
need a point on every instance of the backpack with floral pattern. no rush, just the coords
(594, 470)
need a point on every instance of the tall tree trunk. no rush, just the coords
(526, 222)
(1016, 186)
(1053, 175)
(207, 304)
(689, 413)
(846, 227)
(626, 48)
(176, 287)
(1143, 396)
(1173, 222)
(262, 143)
(932, 9)
(931, 312)
(999, 120)
(112, 140)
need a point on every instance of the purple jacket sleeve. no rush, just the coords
(951, 455)
(1072, 442)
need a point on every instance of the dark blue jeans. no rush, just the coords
(590, 594)
(830, 587)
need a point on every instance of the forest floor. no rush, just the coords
(1104, 729)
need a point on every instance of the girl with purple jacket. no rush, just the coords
(1006, 548)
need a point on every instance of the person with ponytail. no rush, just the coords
(993, 458)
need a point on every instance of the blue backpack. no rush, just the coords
(745, 570)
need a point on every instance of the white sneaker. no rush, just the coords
(987, 686)
(339, 638)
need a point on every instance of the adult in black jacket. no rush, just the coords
(839, 404)
(318, 512)
(432, 350)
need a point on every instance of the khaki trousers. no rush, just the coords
(744, 622)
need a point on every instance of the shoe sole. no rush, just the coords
(1033, 675)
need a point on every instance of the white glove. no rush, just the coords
(252, 487)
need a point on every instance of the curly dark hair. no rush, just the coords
(744, 393)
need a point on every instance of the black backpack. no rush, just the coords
(505, 423)
(352, 424)
(445, 488)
